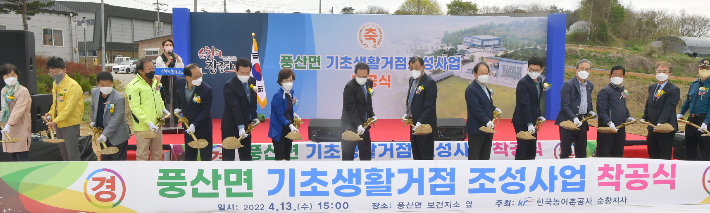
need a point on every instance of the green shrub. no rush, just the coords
(87, 111)
(44, 84)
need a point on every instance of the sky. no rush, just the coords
(311, 6)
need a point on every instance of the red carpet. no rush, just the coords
(388, 130)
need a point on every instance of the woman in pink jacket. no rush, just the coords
(15, 114)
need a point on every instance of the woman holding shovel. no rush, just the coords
(15, 115)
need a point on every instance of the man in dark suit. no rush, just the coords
(575, 104)
(421, 107)
(527, 108)
(357, 107)
(611, 105)
(195, 102)
(479, 106)
(239, 110)
(663, 97)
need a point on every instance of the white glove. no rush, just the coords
(703, 127)
(592, 113)
(577, 122)
(256, 121)
(190, 129)
(360, 128)
(531, 129)
(499, 111)
(490, 124)
(102, 139)
(6, 129)
(242, 133)
(679, 116)
(293, 128)
(658, 124)
(611, 124)
(542, 119)
(49, 118)
(404, 117)
(373, 118)
(295, 116)
(630, 119)
(152, 127)
(177, 111)
(642, 120)
(165, 112)
(416, 126)
(92, 124)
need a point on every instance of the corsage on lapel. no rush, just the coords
(659, 94)
(60, 98)
(196, 99)
(10, 99)
(492, 92)
(420, 89)
(251, 87)
(624, 94)
(111, 107)
(546, 86)
(370, 91)
(295, 101)
(702, 91)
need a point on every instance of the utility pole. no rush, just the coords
(419, 7)
(225, 6)
(83, 24)
(195, 9)
(319, 6)
(331, 10)
(103, 39)
(157, 24)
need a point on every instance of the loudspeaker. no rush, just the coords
(40, 105)
(450, 129)
(324, 130)
(17, 47)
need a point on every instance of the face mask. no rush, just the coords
(197, 82)
(243, 78)
(11, 81)
(483, 79)
(661, 77)
(617, 80)
(287, 86)
(534, 75)
(704, 73)
(106, 90)
(361, 81)
(416, 74)
(168, 49)
(58, 78)
(150, 75)
(583, 74)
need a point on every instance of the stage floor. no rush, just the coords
(387, 130)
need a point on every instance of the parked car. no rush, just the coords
(125, 67)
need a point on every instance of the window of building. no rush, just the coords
(91, 53)
(53, 37)
(152, 52)
(3, 27)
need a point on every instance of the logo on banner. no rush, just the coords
(706, 180)
(558, 151)
(370, 36)
(106, 185)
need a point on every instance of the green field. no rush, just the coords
(451, 100)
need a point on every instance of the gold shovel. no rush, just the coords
(612, 130)
(663, 128)
(51, 138)
(351, 136)
(423, 129)
(10, 140)
(295, 135)
(196, 143)
(106, 150)
(526, 135)
(571, 126)
(707, 133)
(150, 134)
(496, 119)
(235, 143)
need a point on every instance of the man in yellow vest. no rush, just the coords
(67, 109)
(146, 106)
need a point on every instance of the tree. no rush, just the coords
(248, 11)
(374, 9)
(428, 7)
(347, 10)
(24, 8)
(461, 8)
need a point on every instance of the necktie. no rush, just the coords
(655, 98)
(246, 90)
(364, 91)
